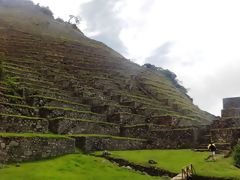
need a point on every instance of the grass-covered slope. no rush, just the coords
(72, 167)
(175, 160)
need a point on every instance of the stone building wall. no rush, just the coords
(229, 103)
(18, 149)
(231, 107)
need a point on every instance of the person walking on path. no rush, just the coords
(212, 148)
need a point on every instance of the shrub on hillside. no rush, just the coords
(236, 155)
(169, 75)
(60, 20)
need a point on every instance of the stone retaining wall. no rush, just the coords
(174, 139)
(225, 123)
(139, 131)
(22, 125)
(126, 119)
(88, 144)
(231, 113)
(17, 149)
(225, 135)
(53, 113)
(66, 126)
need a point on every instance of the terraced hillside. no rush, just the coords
(58, 93)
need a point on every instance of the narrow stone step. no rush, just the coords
(29, 147)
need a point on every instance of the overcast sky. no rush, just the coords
(199, 40)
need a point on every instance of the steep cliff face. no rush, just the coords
(74, 85)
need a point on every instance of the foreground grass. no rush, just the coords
(71, 167)
(175, 160)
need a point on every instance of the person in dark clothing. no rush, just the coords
(212, 148)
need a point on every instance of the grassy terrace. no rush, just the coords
(20, 117)
(107, 136)
(11, 96)
(71, 167)
(31, 135)
(175, 160)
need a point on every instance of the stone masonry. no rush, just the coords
(18, 149)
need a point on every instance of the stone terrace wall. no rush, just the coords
(227, 135)
(231, 113)
(66, 126)
(88, 144)
(17, 149)
(174, 139)
(226, 122)
(21, 124)
(140, 131)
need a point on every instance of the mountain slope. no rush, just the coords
(57, 80)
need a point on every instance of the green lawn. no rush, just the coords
(174, 160)
(70, 167)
